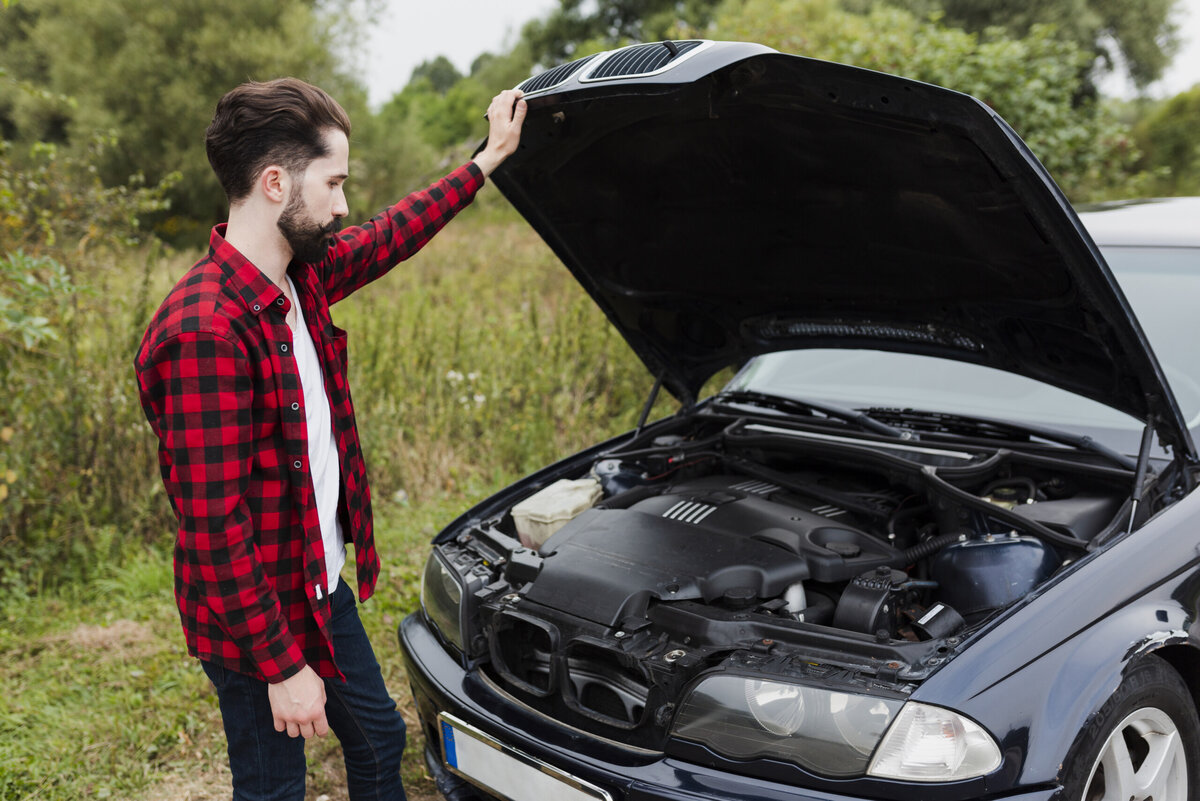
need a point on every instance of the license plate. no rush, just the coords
(504, 771)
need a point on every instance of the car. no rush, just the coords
(936, 538)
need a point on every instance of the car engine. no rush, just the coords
(741, 541)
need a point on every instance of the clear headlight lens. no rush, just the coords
(931, 744)
(827, 732)
(441, 599)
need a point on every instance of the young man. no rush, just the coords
(242, 375)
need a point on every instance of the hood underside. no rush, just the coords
(748, 202)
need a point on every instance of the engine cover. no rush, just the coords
(698, 541)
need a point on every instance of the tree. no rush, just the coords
(1138, 33)
(440, 73)
(556, 38)
(149, 73)
(1167, 137)
(1033, 81)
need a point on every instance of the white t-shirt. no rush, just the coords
(322, 449)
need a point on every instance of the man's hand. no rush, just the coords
(298, 704)
(505, 116)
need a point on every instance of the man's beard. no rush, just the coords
(308, 240)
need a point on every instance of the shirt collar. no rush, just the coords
(251, 284)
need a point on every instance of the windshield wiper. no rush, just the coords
(999, 429)
(795, 405)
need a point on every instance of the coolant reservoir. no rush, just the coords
(549, 509)
(980, 575)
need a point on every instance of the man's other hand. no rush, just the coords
(506, 115)
(298, 705)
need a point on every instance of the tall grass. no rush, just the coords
(481, 360)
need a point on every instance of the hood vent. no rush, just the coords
(643, 59)
(755, 487)
(689, 511)
(828, 510)
(553, 77)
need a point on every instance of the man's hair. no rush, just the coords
(277, 122)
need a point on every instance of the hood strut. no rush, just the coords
(658, 382)
(1139, 476)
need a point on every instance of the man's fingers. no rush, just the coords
(293, 730)
(321, 726)
(518, 117)
(279, 724)
(506, 106)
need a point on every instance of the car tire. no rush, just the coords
(1143, 743)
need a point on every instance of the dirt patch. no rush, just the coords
(195, 782)
(120, 635)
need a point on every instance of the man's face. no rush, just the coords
(317, 202)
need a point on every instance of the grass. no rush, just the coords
(473, 364)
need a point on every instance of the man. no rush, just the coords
(242, 375)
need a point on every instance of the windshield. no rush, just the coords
(1163, 287)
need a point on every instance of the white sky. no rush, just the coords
(412, 31)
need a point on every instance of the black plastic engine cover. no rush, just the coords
(607, 564)
(698, 541)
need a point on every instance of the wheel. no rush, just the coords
(1143, 744)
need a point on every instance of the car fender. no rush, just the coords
(1034, 677)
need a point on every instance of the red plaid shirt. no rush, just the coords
(219, 385)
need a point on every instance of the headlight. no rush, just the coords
(828, 732)
(931, 744)
(441, 598)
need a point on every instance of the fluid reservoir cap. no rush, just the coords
(846, 550)
(740, 597)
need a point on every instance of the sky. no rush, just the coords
(413, 31)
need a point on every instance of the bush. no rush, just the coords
(70, 430)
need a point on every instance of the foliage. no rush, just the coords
(1138, 33)
(1034, 82)
(68, 429)
(440, 73)
(149, 73)
(483, 360)
(51, 198)
(1167, 137)
(557, 38)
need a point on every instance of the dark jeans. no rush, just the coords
(269, 766)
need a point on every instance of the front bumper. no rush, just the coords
(441, 686)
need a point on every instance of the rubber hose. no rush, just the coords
(928, 548)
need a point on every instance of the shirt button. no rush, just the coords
(297, 464)
(283, 348)
(295, 406)
(257, 307)
(279, 302)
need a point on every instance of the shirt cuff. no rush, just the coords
(279, 659)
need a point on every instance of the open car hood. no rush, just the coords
(729, 201)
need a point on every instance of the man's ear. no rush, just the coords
(275, 183)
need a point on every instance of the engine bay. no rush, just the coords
(842, 557)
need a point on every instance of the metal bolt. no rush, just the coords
(619, 635)
(511, 598)
(674, 656)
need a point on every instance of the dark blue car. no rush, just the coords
(934, 540)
